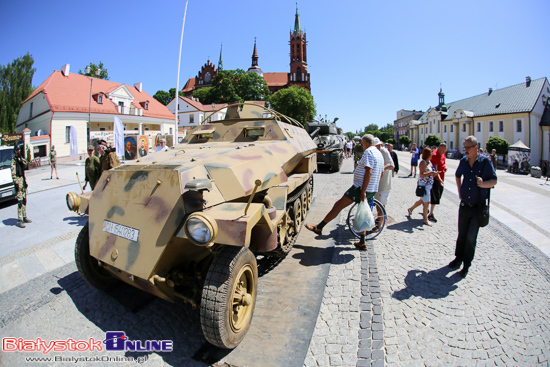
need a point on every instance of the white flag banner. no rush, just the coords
(73, 141)
(118, 129)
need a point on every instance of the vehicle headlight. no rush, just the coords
(73, 201)
(200, 229)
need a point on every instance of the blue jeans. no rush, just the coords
(468, 228)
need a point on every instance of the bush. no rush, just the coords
(432, 140)
(497, 143)
(404, 140)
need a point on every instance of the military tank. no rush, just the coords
(330, 143)
(188, 222)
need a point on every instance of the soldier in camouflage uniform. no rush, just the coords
(357, 152)
(92, 168)
(18, 165)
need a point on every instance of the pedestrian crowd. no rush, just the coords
(376, 163)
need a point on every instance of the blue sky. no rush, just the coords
(367, 59)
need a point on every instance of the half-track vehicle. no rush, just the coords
(187, 222)
(330, 143)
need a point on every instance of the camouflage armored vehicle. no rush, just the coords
(188, 222)
(330, 143)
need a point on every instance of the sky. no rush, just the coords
(367, 59)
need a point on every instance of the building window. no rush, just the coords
(491, 128)
(147, 106)
(518, 126)
(445, 128)
(100, 99)
(452, 128)
(67, 134)
(438, 127)
(191, 119)
(30, 112)
(101, 129)
(463, 128)
(501, 126)
(146, 128)
(170, 131)
(479, 127)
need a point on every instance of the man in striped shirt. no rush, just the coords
(366, 178)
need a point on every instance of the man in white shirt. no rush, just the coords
(366, 178)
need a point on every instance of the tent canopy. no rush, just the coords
(518, 145)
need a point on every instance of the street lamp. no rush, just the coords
(97, 72)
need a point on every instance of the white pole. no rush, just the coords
(178, 80)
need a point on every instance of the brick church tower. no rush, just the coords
(298, 57)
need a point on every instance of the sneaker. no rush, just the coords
(20, 224)
(431, 218)
(27, 220)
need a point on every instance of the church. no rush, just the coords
(276, 81)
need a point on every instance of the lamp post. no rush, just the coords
(97, 72)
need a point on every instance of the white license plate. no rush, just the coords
(120, 230)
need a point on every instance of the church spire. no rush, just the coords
(220, 62)
(255, 55)
(297, 26)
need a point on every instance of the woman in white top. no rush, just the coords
(426, 179)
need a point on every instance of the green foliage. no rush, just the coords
(404, 139)
(103, 74)
(432, 140)
(386, 133)
(390, 141)
(497, 143)
(349, 135)
(166, 97)
(294, 102)
(238, 86)
(15, 87)
(203, 95)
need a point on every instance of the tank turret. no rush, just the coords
(330, 143)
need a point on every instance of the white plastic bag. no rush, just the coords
(364, 220)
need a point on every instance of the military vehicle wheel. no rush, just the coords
(305, 207)
(335, 161)
(229, 296)
(87, 266)
(297, 215)
(310, 192)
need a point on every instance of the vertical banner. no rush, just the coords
(118, 129)
(74, 141)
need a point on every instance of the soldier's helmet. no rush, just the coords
(18, 146)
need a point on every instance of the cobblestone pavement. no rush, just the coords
(415, 311)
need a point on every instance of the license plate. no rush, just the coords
(120, 230)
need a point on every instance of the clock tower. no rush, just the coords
(298, 56)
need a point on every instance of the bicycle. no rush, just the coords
(380, 217)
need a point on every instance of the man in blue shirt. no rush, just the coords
(414, 159)
(475, 175)
(366, 178)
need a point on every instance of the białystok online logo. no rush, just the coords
(114, 341)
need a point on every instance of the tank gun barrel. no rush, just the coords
(314, 132)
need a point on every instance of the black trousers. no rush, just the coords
(468, 228)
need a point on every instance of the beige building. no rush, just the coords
(62, 109)
(519, 112)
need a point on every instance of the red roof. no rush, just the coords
(189, 86)
(276, 79)
(72, 94)
(202, 107)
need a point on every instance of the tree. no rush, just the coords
(390, 141)
(405, 140)
(350, 135)
(103, 74)
(497, 143)
(166, 97)
(238, 86)
(203, 94)
(294, 102)
(15, 87)
(163, 97)
(432, 140)
(386, 133)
